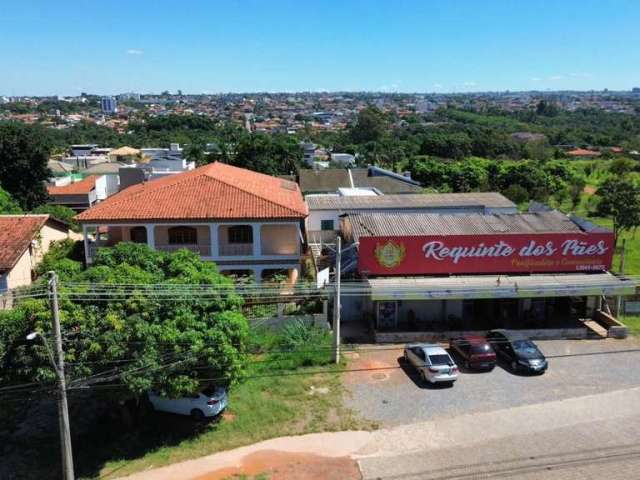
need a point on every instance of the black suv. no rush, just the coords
(515, 349)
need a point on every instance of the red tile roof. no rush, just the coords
(214, 191)
(84, 186)
(16, 233)
(581, 152)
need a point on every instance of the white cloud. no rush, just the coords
(135, 51)
(470, 84)
(535, 79)
(556, 77)
(581, 75)
(437, 86)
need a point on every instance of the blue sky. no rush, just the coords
(110, 46)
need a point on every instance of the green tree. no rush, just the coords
(24, 153)
(7, 204)
(622, 165)
(60, 212)
(516, 193)
(271, 154)
(166, 341)
(620, 200)
(195, 153)
(371, 124)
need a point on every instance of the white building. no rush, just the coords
(109, 105)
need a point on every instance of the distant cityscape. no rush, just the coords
(291, 112)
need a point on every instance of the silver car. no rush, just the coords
(208, 403)
(432, 362)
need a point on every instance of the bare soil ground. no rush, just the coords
(274, 465)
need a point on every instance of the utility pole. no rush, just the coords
(63, 408)
(336, 303)
(619, 299)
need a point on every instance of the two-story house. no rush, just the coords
(246, 222)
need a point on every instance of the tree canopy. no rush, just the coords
(147, 333)
(24, 155)
(620, 199)
(7, 204)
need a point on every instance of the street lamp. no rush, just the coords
(32, 336)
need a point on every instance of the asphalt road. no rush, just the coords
(589, 437)
(389, 391)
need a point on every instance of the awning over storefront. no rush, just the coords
(498, 286)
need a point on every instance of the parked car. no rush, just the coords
(208, 403)
(432, 362)
(517, 351)
(475, 351)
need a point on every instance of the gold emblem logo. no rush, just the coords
(390, 254)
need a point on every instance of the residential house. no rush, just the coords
(24, 239)
(77, 195)
(583, 153)
(247, 222)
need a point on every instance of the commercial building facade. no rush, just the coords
(429, 274)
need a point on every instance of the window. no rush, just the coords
(326, 225)
(183, 236)
(440, 359)
(138, 235)
(241, 234)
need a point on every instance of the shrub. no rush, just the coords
(516, 193)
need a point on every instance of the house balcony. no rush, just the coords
(235, 250)
(201, 249)
(224, 241)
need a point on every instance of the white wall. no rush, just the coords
(101, 187)
(316, 216)
(20, 274)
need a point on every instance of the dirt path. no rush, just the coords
(307, 457)
(284, 466)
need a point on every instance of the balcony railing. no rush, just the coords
(200, 249)
(235, 249)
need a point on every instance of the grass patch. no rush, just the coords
(285, 393)
(633, 323)
(259, 409)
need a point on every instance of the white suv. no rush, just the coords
(432, 361)
(208, 403)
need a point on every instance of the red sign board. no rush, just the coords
(506, 253)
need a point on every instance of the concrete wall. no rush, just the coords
(20, 274)
(101, 187)
(279, 240)
(74, 201)
(47, 235)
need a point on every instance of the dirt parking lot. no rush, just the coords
(390, 392)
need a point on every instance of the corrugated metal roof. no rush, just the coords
(419, 200)
(402, 224)
(500, 286)
(330, 180)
